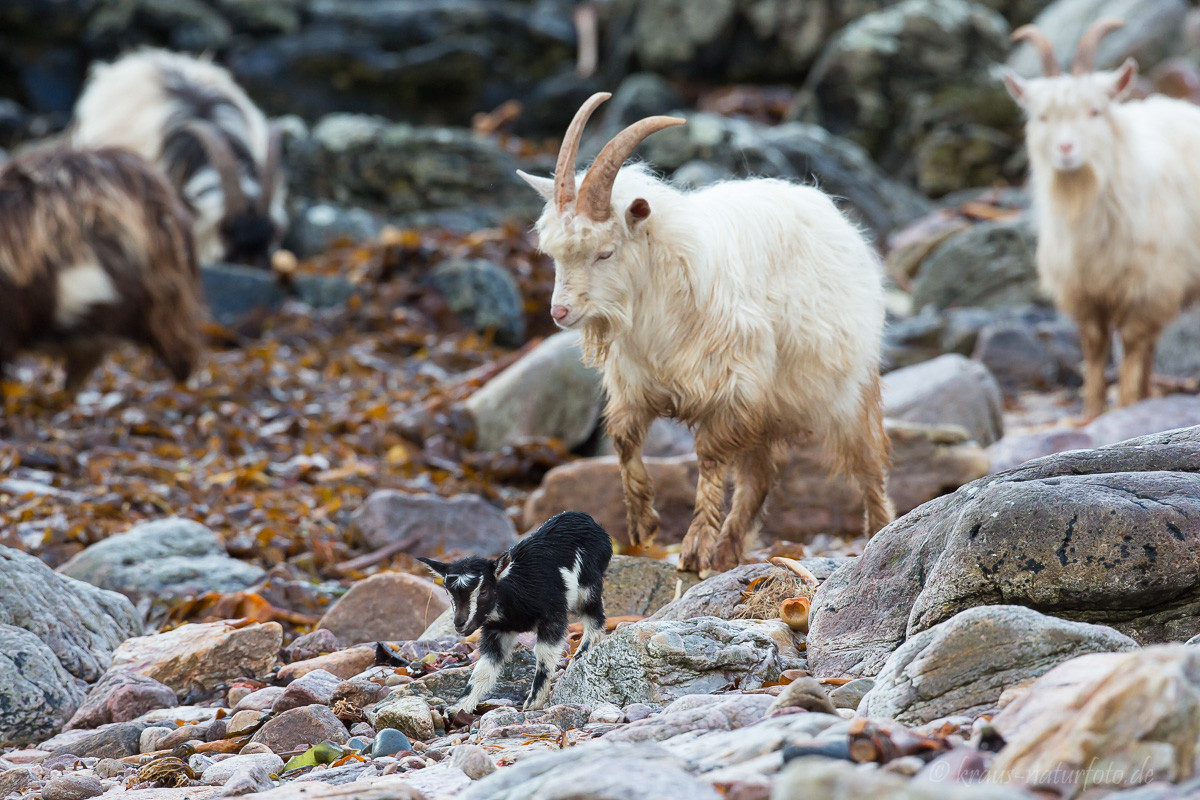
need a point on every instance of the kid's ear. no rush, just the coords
(638, 211)
(436, 566)
(543, 186)
(503, 564)
(1016, 86)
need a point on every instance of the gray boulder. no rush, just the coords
(917, 65)
(398, 169)
(37, 695)
(80, 623)
(1030, 357)
(730, 147)
(1100, 536)
(658, 661)
(989, 265)
(1153, 31)
(951, 390)
(484, 296)
(547, 393)
(164, 558)
(961, 666)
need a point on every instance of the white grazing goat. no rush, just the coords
(751, 310)
(188, 116)
(1116, 191)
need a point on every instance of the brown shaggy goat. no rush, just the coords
(95, 246)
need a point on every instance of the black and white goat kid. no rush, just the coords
(532, 587)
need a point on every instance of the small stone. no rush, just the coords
(473, 760)
(220, 773)
(849, 695)
(833, 748)
(358, 742)
(216, 729)
(121, 697)
(149, 739)
(116, 741)
(244, 720)
(301, 727)
(311, 645)
(358, 692)
(389, 606)
(72, 787)
(607, 712)
(805, 693)
(344, 664)
(236, 694)
(410, 715)
(388, 742)
(12, 781)
(412, 762)
(255, 748)
(109, 768)
(636, 711)
(397, 680)
(363, 729)
(182, 734)
(201, 655)
(248, 780)
(312, 687)
(261, 700)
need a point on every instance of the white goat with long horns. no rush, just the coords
(751, 310)
(188, 116)
(1116, 190)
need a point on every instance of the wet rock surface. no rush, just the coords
(1096, 535)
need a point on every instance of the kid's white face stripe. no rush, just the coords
(474, 603)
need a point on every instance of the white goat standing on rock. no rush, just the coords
(751, 310)
(1116, 189)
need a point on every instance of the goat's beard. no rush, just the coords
(1075, 191)
(599, 330)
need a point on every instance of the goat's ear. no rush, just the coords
(436, 566)
(502, 565)
(543, 186)
(1016, 86)
(638, 211)
(1123, 79)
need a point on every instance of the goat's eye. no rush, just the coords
(1095, 112)
(604, 256)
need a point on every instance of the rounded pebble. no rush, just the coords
(389, 741)
(636, 711)
(254, 747)
(109, 768)
(358, 743)
(151, 737)
(362, 729)
(397, 680)
(72, 787)
(412, 762)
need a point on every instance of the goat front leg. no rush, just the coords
(627, 428)
(1137, 362)
(495, 648)
(697, 551)
(753, 478)
(1095, 340)
(551, 639)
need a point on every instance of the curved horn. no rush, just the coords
(595, 194)
(268, 176)
(1085, 51)
(564, 170)
(1028, 33)
(220, 156)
